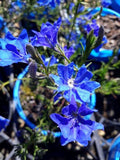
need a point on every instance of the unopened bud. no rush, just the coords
(32, 69)
(34, 53)
(100, 36)
(31, 50)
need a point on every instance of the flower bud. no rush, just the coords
(32, 69)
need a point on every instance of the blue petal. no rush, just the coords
(83, 110)
(65, 141)
(73, 102)
(98, 126)
(83, 136)
(24, 36)
(68, 95)
(69, 110)
(68, 52)
(2, 43)
(39, 41)
(65, 72)
(60, 83)
(43, 2)
(58, 119)
(93, 126)
(85, 122)
(77, 134)
(12, 48)
(63, 87)
(16, 45)
(62, 122)
(47, 36)
(52, 60)
(90, 86)
(70, 138)
(8, 58)
(83, 75)
(3, 122)
(57, 79)
(57, 97)
(9, 37)
(81, 95)
(52, 3)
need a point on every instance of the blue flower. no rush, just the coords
(52, 3)
(93, 26)
(71, 6)
(83, 19)
(106, 3)
(80, 86)
(68, 51)
(16, 7)
(3, 122)
(52, 60)
(80, 7)
(18, 4)
(13, 50)
(47, 36)
(73, 127)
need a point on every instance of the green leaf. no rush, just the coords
(90, 44)
(51, 87)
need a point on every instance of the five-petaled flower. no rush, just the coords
(73, 126)
(79, 86)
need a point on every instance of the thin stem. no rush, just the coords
(74, 19)
(62, 53)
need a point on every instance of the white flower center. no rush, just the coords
(71, 83)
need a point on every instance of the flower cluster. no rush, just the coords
(73, 83)
(75, 89)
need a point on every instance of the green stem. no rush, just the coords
(75, 16)
(8, 82)
(63, 54)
